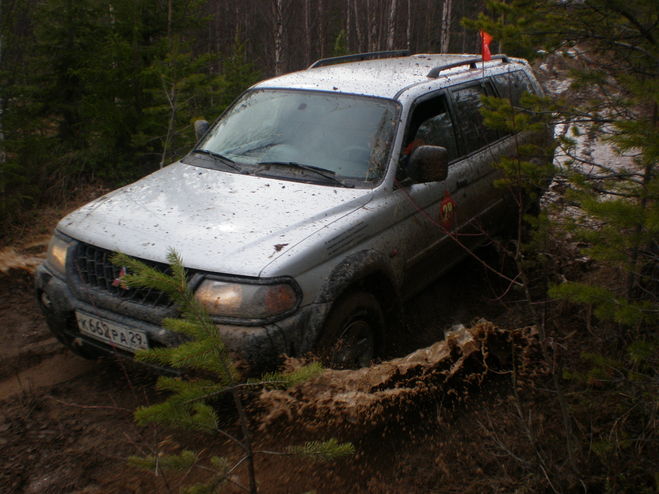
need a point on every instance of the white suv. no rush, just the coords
(315, 204)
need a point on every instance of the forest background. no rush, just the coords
(105, 91)
(108, 90)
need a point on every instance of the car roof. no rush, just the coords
(385, 77)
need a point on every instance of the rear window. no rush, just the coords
(467, 104)
(512, 85)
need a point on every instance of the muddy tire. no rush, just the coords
(353, 332)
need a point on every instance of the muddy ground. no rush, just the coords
(66, 424)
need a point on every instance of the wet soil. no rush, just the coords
(66, 424)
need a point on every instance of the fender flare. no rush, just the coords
(367, 270)
(355, 270)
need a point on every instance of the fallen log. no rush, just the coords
(369, 397)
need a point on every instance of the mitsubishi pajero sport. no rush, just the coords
(304, 215)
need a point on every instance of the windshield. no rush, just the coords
(346, 136)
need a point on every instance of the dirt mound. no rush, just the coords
(367, 398)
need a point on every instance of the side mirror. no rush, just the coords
(200, 128)
(428, 164)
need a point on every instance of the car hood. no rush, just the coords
(217, 221)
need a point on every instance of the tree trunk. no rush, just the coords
(307, 32)
(445, 39)
(321, 27)
(171, 99)
(427, 26)
(358, 28)
(408, 31)
(649, 172)
(372, 25)
(348, 27)
(381, 42)
(278, 19)
(247, 440)
(391, 27)
(169, 20)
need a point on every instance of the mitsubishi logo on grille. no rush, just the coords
(118, 282)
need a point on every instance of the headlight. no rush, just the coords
(246, 301)
(57, 250)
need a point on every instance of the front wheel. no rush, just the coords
(352, 333)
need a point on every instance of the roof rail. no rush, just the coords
(472, 62)
(358, 57)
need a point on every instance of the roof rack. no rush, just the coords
(359, 56)
(472, 62)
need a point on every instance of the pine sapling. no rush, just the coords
(207, 372)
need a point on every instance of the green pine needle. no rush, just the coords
(323, 451)
(291, 379)
(181, 462)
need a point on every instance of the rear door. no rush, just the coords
(480, 148)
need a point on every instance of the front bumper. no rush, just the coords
(255, 348)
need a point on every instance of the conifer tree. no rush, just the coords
(12, 174)
(525, 175)
(613, 48)
(610, 50)
(208, 373)
(340, 44)
(237, 74)
(109, 90)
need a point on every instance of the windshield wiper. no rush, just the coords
(323, 172)
(227, 161)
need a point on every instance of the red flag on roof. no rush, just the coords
(486, 39)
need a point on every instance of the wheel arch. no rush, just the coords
(369, 271)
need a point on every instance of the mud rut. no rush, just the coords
(66, 423)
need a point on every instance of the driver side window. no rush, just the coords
(431, 125)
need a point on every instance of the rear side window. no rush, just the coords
(468, 118)
(512, 85)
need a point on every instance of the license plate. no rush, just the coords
(111, 333)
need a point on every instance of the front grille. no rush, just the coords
(94, 269)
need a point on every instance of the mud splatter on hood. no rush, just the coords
(217, 221)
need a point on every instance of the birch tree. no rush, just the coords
(278, 35)
(391, 26)
(372, 25)
(408, 31)
(321, 27)
(348, 26)
(307, 32)
(445, 39)
(358, 27)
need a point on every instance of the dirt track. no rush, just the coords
(30, 357)
(50, 442)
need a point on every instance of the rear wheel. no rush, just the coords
(352, 333)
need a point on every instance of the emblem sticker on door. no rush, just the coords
(447, 211)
